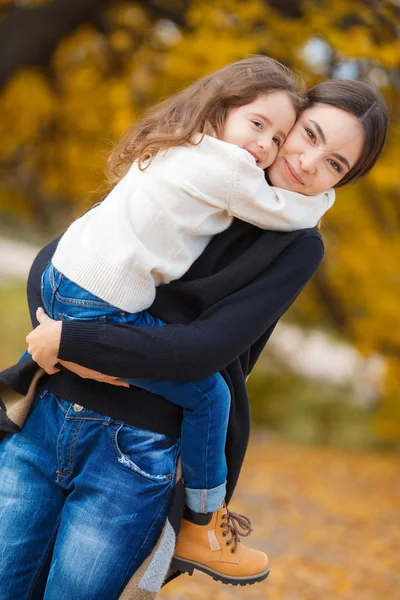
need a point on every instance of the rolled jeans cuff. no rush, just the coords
(204, 501)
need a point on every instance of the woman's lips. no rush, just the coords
(291, 173)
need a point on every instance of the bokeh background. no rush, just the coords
(325, 395)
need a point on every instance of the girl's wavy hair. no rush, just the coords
(364, 102)
(201, 107)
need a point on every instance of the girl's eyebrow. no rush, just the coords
(323, 138)
(269, 122)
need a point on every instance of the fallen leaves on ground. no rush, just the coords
(328, 519)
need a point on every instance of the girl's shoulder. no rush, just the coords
(214, 144)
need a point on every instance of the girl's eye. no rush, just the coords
(309, 133)
(335, 165)
(258, 124)
(277, 141)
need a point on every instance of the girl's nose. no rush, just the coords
(265, 142)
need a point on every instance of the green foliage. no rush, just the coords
(15, 322)
(307, 412)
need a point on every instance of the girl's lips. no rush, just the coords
(291, 173)
(254, 155)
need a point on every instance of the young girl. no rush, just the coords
(183, 173)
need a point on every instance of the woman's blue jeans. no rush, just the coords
(206, 403)
(83, 500)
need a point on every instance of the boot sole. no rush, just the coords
(188, 567)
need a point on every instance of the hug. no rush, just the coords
(128, 419)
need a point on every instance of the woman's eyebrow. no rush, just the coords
(342, 159)
(323, 138)
(318, 128)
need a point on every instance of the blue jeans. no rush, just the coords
(83, 500)
(206, 403)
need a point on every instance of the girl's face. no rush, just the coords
(260, 127)
(324, 145)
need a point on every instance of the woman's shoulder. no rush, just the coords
(306, 241)
(283, 240)
(311, 233)
(301, 250)
(305, 250)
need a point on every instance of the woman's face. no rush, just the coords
(324, 145)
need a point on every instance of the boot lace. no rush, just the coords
(236, 525)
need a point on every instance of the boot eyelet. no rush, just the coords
(228, 543)
(224, 533)
(232, 551)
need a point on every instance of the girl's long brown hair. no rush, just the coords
(201, 107)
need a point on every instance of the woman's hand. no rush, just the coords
(44, 342)
(90, 374)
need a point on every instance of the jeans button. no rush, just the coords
(78, 407)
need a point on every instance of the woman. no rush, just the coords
(222, 313)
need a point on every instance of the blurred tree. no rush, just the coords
(77, 74)
(30, 31)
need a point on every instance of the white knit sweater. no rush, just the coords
(155, 223)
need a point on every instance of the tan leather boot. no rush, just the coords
(215, 549)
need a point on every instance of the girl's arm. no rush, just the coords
(253, 200)
(227, 177)
(199, 349)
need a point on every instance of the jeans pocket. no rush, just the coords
(70, 294)
(149, 454)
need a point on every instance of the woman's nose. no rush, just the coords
(308, 162)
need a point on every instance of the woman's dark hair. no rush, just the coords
(365, 103)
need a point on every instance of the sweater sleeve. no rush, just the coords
(253, 200)
(258, 347)
(203, 347)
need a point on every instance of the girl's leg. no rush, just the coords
(30, 503)
(95, 555)
(206, 403)
(206, 407)
(120, 481)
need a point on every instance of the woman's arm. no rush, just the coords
(196, 350)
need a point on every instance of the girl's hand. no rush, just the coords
(44, 342)
(90, 374)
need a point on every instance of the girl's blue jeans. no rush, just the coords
(206, 403)
(83, 500)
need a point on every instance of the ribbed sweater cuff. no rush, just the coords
(77, 342)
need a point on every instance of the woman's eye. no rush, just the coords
(257, 124)
(335, 165)
(309, 133)
(277, 141)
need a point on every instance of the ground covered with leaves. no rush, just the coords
(328, 519)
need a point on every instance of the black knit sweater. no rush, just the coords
(221, 314)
